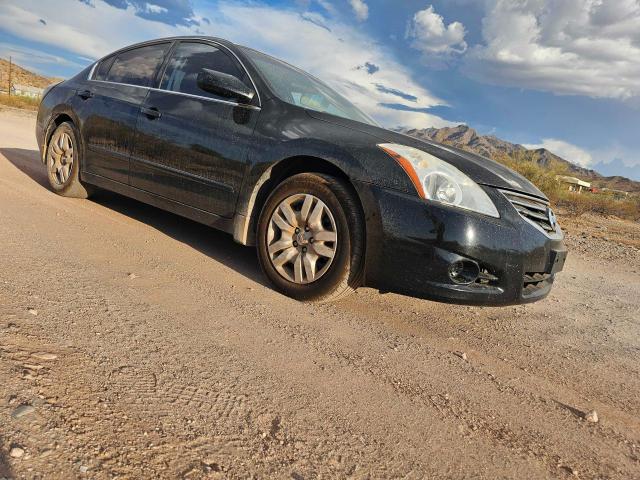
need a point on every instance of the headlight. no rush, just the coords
(438, 181)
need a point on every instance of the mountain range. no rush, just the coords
(491, 146)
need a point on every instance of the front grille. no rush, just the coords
(532, 209)
(486, 279)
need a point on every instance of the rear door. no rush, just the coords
(109, 108)
(191, 145)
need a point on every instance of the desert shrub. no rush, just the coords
(19, 101)
(544, 177)
(586, 202)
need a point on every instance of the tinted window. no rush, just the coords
(186, 62)
(103, 68)
(138, 66)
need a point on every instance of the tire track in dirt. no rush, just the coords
(501, 434)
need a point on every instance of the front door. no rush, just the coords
(109, 105)
(191, 145)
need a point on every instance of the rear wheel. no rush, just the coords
(63, 162)
(311, 238)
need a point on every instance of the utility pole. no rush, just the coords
(9, 76)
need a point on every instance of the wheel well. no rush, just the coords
(57, 121)
(63, 117)
(287, 168)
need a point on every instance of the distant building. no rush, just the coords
(26, 91)
(574, 184)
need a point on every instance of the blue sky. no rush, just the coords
(564, 74)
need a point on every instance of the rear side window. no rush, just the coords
(188, 59)
(138, 66)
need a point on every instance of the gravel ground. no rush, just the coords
(137, 344)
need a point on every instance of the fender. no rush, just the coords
(59, 112)
(295, 156)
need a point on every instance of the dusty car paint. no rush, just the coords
(216, 161)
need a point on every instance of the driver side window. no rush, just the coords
(188, 59)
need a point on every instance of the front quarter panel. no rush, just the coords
(286, 133)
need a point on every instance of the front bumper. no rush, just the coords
(411, 245)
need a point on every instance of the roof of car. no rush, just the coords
(195, 37)
(221, 41)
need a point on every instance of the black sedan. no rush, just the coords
(243, 142)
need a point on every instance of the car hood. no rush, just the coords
(480, 169)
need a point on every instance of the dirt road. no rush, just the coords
(137, 344)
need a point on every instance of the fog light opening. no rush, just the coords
(464, 272)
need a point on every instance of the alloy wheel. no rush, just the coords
(61, 157)
(302, 238)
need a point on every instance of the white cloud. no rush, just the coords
(88, 31)
(268, 29)
(33, 59)
(576, 47)
(360, 8)
(328, 6)
(625, 161)
(94, 32)
(430, 35)
(565, 150)
(151, 8)
(616, 152)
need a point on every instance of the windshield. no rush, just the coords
(299, 88)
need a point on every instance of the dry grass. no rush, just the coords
(18, 101)
(573, 203)
(577, 204)
(21, 76)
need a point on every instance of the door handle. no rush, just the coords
(84, 94)
(151, 112)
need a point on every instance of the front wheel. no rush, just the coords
(311, 238)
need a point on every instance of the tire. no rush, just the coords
(310, 273)
(63, 162)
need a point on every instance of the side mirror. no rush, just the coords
(224, 85)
